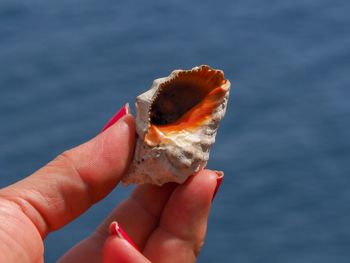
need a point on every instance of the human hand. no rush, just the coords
(166, 224)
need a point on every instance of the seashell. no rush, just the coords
(176, 122)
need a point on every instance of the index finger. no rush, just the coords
(181, 231)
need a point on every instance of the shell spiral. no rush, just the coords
(176, 123)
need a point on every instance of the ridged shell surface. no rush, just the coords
(176, 123)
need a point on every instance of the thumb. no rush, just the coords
(67, 186)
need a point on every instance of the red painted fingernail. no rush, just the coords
(122, 112)
(220, 176)
(116, 229)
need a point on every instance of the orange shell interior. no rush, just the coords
(204, 88)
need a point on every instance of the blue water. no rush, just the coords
(67, 66)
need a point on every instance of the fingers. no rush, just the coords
(151, 209)
(138, 215)
(182, 227)
(117, 249)
(70, 184)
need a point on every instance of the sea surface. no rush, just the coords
(66, 66)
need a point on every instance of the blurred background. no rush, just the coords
(67, 66)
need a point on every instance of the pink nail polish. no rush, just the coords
(220, 177)
(116, 229)
(122, 112)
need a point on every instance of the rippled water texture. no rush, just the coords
(67, 66)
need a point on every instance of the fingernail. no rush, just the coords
(219, 178)
(117, 230)
(122, 112)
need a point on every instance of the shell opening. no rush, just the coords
(173, 101)
(182, 93)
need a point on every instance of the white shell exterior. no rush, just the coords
(184, 154)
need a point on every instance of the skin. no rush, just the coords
(167, 223)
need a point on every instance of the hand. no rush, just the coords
(167, 224)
